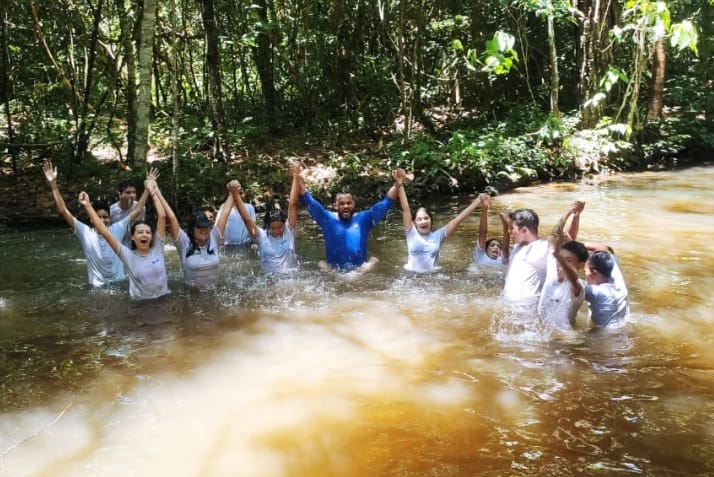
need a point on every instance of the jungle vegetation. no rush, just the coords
(465, 93)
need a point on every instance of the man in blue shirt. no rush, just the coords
(346, 231)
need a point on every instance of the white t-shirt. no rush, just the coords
(277, 254)
(103, 264)
(147, 274)
(236, 232)
(526, 273)
(480, 259)
(423, 250)
(201, 268)
(116, 214)
(608, 301)
(558, 306)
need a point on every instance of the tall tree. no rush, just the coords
(143, 97)
(213, 70)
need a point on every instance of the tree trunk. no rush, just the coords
(594, 54)
(143, 97)
(5, 84)
(263, 57)
(127, 37)
(659, 63)
(213, 65)
(554, 75)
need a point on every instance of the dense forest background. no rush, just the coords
(467, 94)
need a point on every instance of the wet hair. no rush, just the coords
(419, 210)
(602, 262)
(100, 205)
(192, 224)
(133, 228)
(576, 248)
(489, 241)
(124, 183)
(273, 215)
(525, 218)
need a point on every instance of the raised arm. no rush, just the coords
(483, 222)
(234, 188)
(571, 231)
(98, 223)
(161, 207)
(568, 270)
(506, 241)
(403, 201)
(456, 221)
(295, 188)
(51, 176)
(399, 175)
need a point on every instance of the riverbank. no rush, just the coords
(463, 164)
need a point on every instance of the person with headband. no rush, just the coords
(276, 240)
(103, 264)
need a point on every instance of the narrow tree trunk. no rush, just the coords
(127, 37)
(659, 63)
(263, 56)
(554, 75)
(143, 98)
(594, 55)
(213, 65)
(5, 84)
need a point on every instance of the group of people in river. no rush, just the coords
(542, 276)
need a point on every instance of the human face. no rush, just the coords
(142, 238)
(345, 206)
(104, 216)
(519, 235)
(493, 249)
(276, 228)
(592, 276)
(200, 235)
(571, 259)
(422, 221)
(127, 197)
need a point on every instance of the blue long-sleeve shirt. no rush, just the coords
(346, 240)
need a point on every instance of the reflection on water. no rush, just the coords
(386, 374)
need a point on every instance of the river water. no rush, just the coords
(384, 374)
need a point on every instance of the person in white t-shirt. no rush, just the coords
(236, 233)
(197, 246)
(423, 245)
(103, 264)
(144, 259)
(563, 292)
(276, 240)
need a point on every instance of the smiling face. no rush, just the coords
(201, 234)
(276, 228)
(422, 221)
(345, 206)
(141, 235)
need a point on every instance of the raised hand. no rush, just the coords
(83, 198)
(49, 171)
(153, 174)
(485, 200)
(233, 185)
(295, 169)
